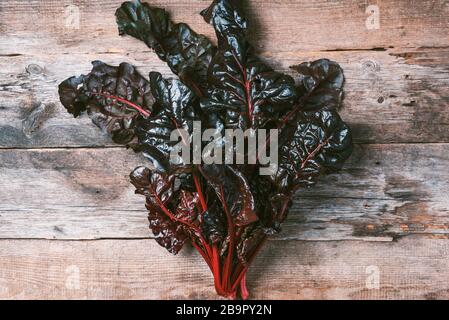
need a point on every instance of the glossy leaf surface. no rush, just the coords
(232, 188)
(244, 92)
(321, 85)
(318, 144)
(159, 189)
(187, 53)
(226, 211)
(173, 111)
(114, 97)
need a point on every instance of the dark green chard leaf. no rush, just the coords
(114, 97)
(225, 211)
(265, 194)
(167, 233)
(187, 206)
(321, 85)
(187, 53)
(318, 144)
(249, 242)
(174, 109)
(232, 188)
(159, 189)
(171, 209)
(244, 91)
(214, 223)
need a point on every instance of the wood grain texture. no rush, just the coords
(287, 25)
(384, 192)
(62, 179)
(389, 98)
(393, 91)
(140, 269)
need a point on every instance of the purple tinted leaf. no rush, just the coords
(319, 144)
(226, 212)
(321, 85)
(232, 188)
(114, 97)
(187, 206)
(158, 189)
(187, 53)
(167, 234)
(244, 91)
(214, 222)
(249, 242)
(174, 110)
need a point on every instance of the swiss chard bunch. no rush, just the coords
(226, 211)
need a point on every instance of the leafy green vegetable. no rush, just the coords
(186, 53)
(114, 97)
(245, 93)
(226, 211)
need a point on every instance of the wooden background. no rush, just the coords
(71, 227)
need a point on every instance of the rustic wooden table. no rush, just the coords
(71, 227)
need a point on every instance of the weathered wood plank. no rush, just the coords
(397, 91)
(387, 100)
(390, 96)
(140, 269)
(384, 192)
(289, 25)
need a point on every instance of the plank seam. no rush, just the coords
(444, 143)
(277, 239)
